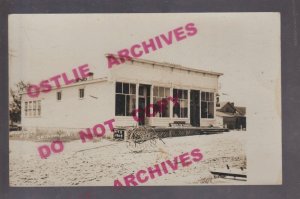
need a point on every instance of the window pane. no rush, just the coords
(120, 105)
(132, 88)
(130, 104)
(58, 95)
(39, 107)
(202, 96)
(180, 94)
(185, 94)
(161, 92)
(81, 93)
(175, 93)
(212, 97)
(118, 87)
(183, 108)
(125, 88)
(176, 110)
(148, 90)
(34, 108)
(186, 112)
(210, 110)
(167, 92)
(165, 108)
(183, 113)
(156, 107)
(30, 108)
(155, 91)
(141, 91)
(26, 108)
(204, 109)
(148, 101)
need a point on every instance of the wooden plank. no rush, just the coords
(230, 172)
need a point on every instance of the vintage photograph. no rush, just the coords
(144, 99)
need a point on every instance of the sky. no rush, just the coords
(243, 46)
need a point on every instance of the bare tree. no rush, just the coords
(15, 101)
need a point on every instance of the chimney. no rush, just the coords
(91, 75)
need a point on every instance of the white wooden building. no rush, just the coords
(126, 87)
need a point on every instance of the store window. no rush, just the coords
(180, 111)
(125, 99)
(207, 105)
(161, 94)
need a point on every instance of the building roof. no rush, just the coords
(169, 65)
(238, 110)
(82, 82)
(241, 110)
(138, 60)
(222, 114)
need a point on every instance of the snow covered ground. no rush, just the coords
(100, 162)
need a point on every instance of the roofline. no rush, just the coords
(179, 67)
(78, 84)
(234, 107)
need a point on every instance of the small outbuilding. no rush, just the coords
(231, 116)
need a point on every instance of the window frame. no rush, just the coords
(39, 107)
(79, 93)
(208, 99)
(32, 108)
(59, 97)
(182, 96)
(26, 109)
(131, 92)
(158, 96)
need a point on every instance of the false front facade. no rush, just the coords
(135, 85)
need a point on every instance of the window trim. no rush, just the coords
(179, 101)
(158, 97)
(60, 96)
(125, 95)
(82, 88)
(26, 109)
(33, 111)
(207, 102)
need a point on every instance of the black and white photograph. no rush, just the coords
(145, 99)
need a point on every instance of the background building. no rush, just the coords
(231, 116)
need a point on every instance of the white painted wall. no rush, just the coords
(71, 111)
(144, 73)
(158, 75)
(99, 102)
